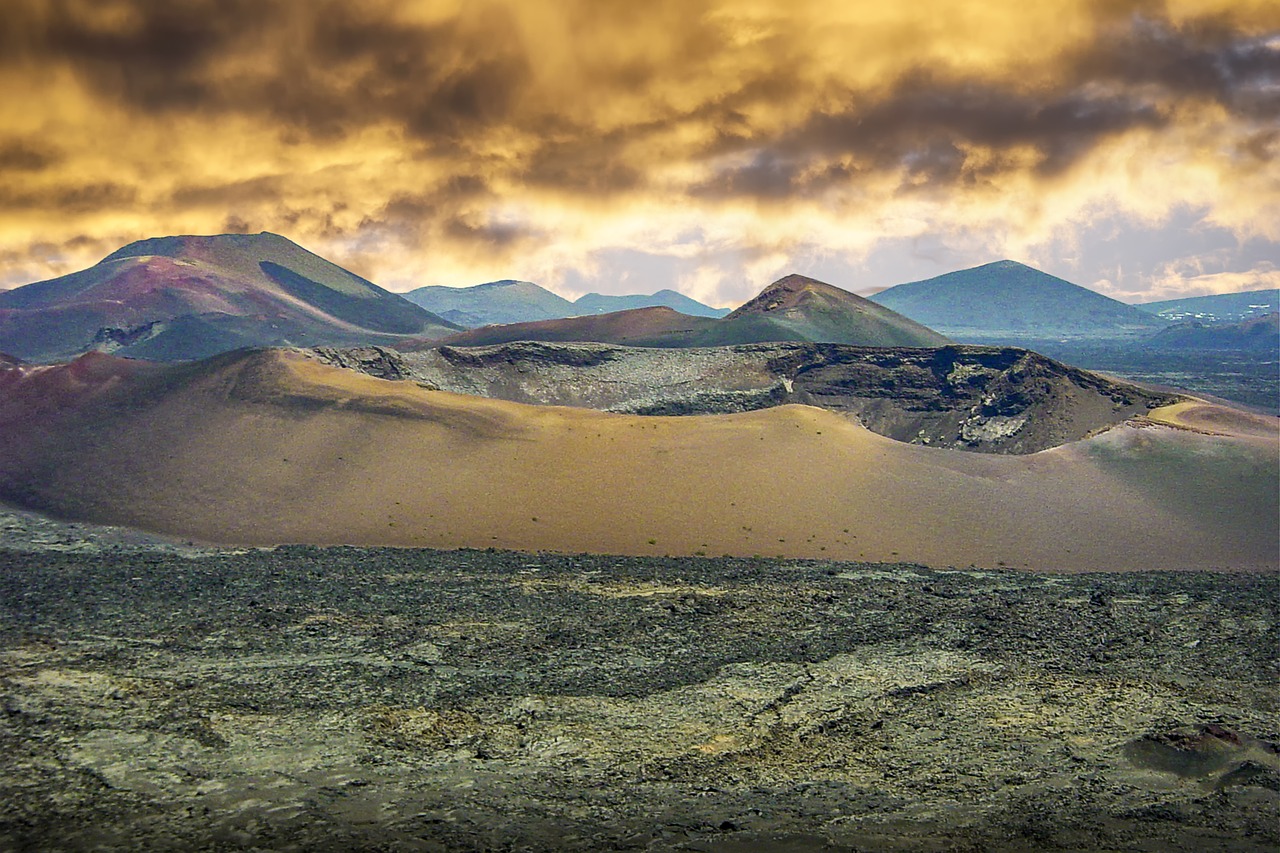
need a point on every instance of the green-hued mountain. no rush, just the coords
(1257, 334)
(1219, 308)
(1009, 301)
(794, 308)
(176, 298)
(506, 301)
(512, 301)
(601, 303)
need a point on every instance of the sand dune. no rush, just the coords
(270, 447)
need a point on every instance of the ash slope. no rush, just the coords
(998, 400)
(173, 298)
(271, 446)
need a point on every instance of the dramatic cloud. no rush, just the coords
(595, 144)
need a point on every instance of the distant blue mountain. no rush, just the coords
(512, 301)
(1009, 301)
(1259, 334)
(506, 301)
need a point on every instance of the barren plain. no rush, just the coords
(159, 696)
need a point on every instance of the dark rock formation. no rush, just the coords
(398, 699)
(375, 361)
(110, 339)
(990, 399)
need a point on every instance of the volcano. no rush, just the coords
(175, 298)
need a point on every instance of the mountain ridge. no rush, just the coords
(794, 308)
(1218, 307)
(509, 301)
(600, 303)
(493, 302)
(189, 296)
(1260, 334)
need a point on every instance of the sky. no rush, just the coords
(623, 147)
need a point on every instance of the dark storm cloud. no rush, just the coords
(446, 134)
(71, 199)
(410, 212)
(775, 174)
(501, 236)
(321, 67)
(1204, 59)
(922, 128)
(452, 213)
(229, 193)
(1260, 147)
(236, 224)
(152, 54)
(324, 222)
(584, 164)
(21, 155)
(350, 67)
(922, 125)
(329, 68)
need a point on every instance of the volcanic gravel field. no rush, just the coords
(169, 698)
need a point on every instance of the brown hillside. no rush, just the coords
(271, 447)
(650, 327)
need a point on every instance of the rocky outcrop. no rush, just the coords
(109, 339)
(991, 399)
(375, 361)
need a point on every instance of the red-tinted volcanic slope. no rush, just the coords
(794, 308)
(800, 308)
(270, 446)
(186, 297)
(637, 327)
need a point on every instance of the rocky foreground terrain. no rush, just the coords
(160, 696)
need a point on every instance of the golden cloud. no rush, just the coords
(451, 142)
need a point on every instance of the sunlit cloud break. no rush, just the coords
(619, 147)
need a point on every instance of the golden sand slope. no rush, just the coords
(271, 448)
(1214, 419)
